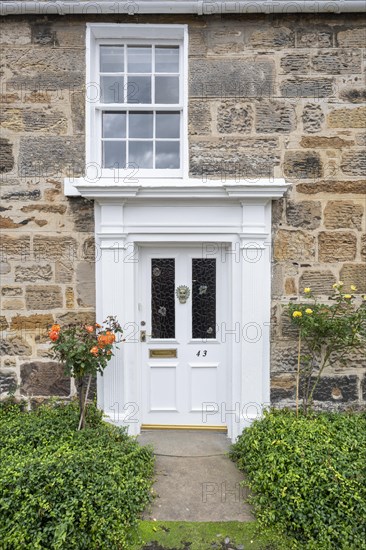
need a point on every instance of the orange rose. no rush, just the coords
(110, 337)
(94, 350)
(55, 328)
(97, 325)
(53, 334)
(89, 328)
(102, 341)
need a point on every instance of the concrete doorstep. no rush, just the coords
(195, 480)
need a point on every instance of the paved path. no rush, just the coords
(194, 479)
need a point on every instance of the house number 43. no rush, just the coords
(203, 353)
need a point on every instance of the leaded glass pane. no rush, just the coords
(203, 298)
(162, 298)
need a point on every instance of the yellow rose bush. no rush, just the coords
(327, 333)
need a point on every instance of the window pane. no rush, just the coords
(111, 59)
(111, 89)
(167, 154)
(168, 125)
(166, 89)
(139, 89)
(167, 59)
(162, 298)
(141, 125)
(203, 298)
(141, 153)
(139, 59)
(114, 125)
(114, 154)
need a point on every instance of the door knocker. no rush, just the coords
(182, 293)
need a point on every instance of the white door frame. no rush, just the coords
(239, 215)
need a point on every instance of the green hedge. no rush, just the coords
(64, 489)
(308, 477)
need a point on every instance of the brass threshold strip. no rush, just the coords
(182, 427)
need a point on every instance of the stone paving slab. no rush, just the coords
(194, 478)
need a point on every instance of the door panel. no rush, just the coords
(183, 360)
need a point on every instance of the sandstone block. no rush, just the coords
(303, 214)
(336, 246)
(16, 32)
(85, 287)
(295, 63)
(14, 346)
(50, 156)
(54, 248)
(363, 388)
(4, 266)
(11, 119)
(307, 87)
(69, 298)
(199, 116)
(275, 117)
(45, 208)
(44, 379)
(336, 187)
(14, 248)
(302, 165)
(64, 271)
(234, 118)
(312, 118)
(354, 163)
(352, 38)
(294, 246)
(52, 122)
(31, 322)
(78, 112)
(11, 291)
(44, 34)
(363, 247)
(82, 214)
(13, 304)
(8, 382)
(284, 357)
(315, 39)
(277, 211)
(6, 156)
(337, 61)
(347, 118)
(320, 282)
(353, 95)
(336, 388)
(343, 214)
(354, 274)
(290, 286)
(77, 317)
(3, 323)
(273, 37)
(239, 78)
(43, 297)
(34, 195)
(283, 386)
(33, 273)
(322, 142)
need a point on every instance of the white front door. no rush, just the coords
(183, 311)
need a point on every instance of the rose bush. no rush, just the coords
(85, 350)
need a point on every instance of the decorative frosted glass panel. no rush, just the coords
(166, 89)
(112, 59)
(112, 89)
(167, 125)
(139, 89)
(167, 154)
(114, 154)
(114, 125)
(167, 59)
(141, 125)
(139, 59)
(203, 298)
(163, 298)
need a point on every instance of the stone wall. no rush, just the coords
(269, 96)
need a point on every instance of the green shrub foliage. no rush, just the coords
(308, 476)
(66, 489)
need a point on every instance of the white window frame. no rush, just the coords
(109, 34)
